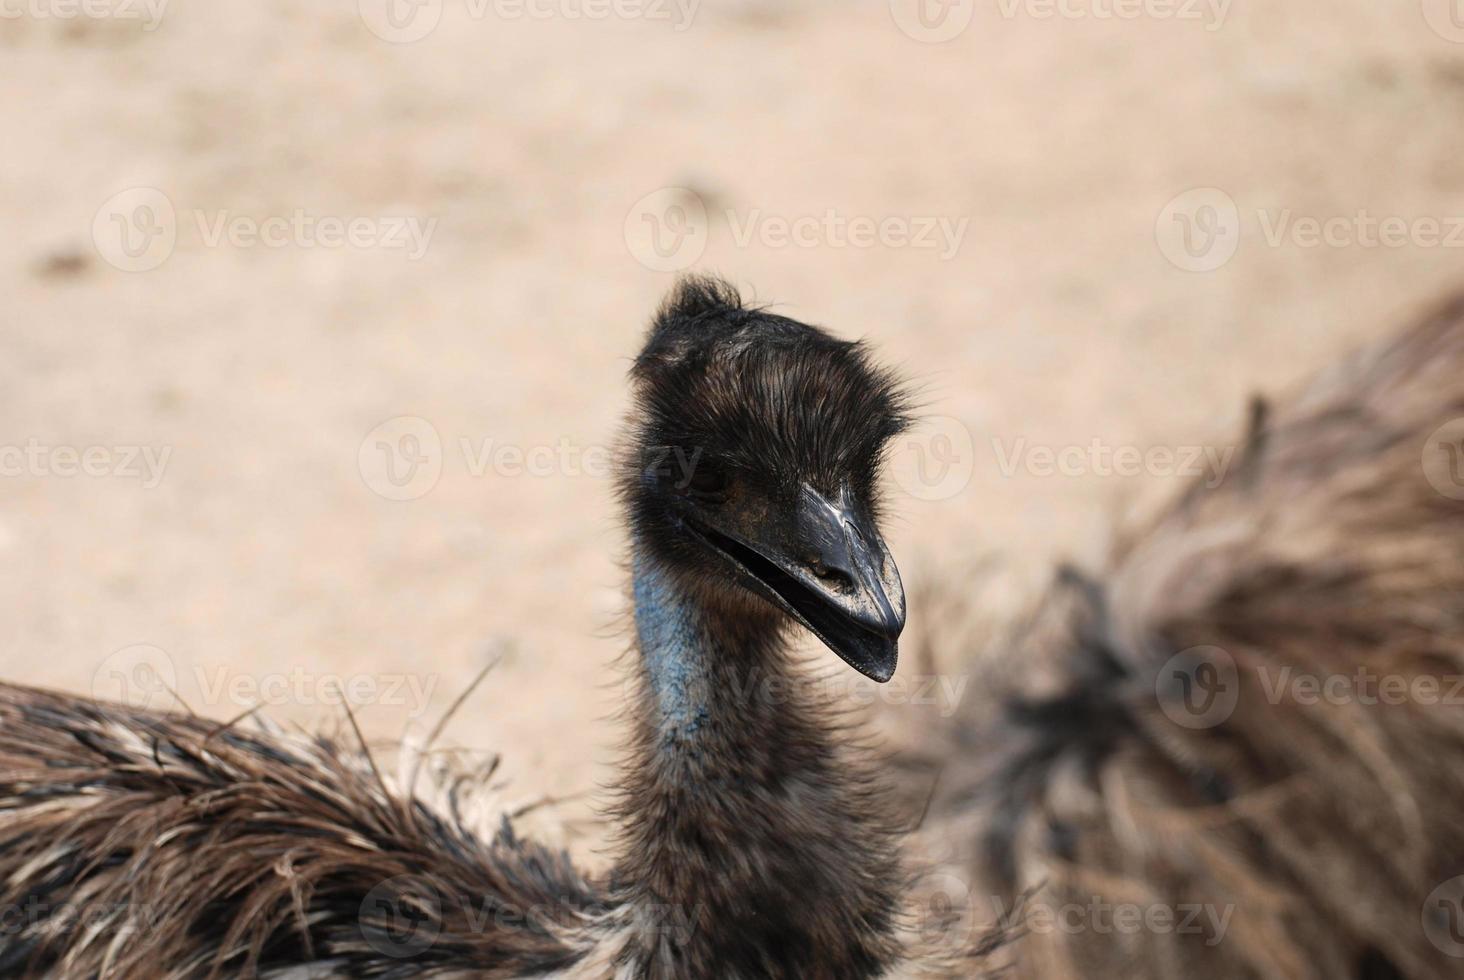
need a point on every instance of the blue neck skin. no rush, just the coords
(674, 649)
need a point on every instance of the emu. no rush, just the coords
(1311, 823)
(754, 837)
(753, 840)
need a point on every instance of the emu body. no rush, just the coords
(751, 840)
(1314, 823)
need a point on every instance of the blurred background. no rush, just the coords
(317, 315)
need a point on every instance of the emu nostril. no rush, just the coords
(836, 577)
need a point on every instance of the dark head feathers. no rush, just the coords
(763, 393)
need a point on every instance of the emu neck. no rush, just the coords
(751, 845)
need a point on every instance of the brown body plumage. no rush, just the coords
(1304, 827)
(753, 838)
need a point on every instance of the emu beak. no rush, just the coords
(834, 576)
(851, 598)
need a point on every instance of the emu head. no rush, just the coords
(756, 446)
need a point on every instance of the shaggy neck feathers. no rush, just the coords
(751, 847)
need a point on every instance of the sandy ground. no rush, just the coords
(261, 559)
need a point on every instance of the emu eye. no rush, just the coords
(706, 479)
